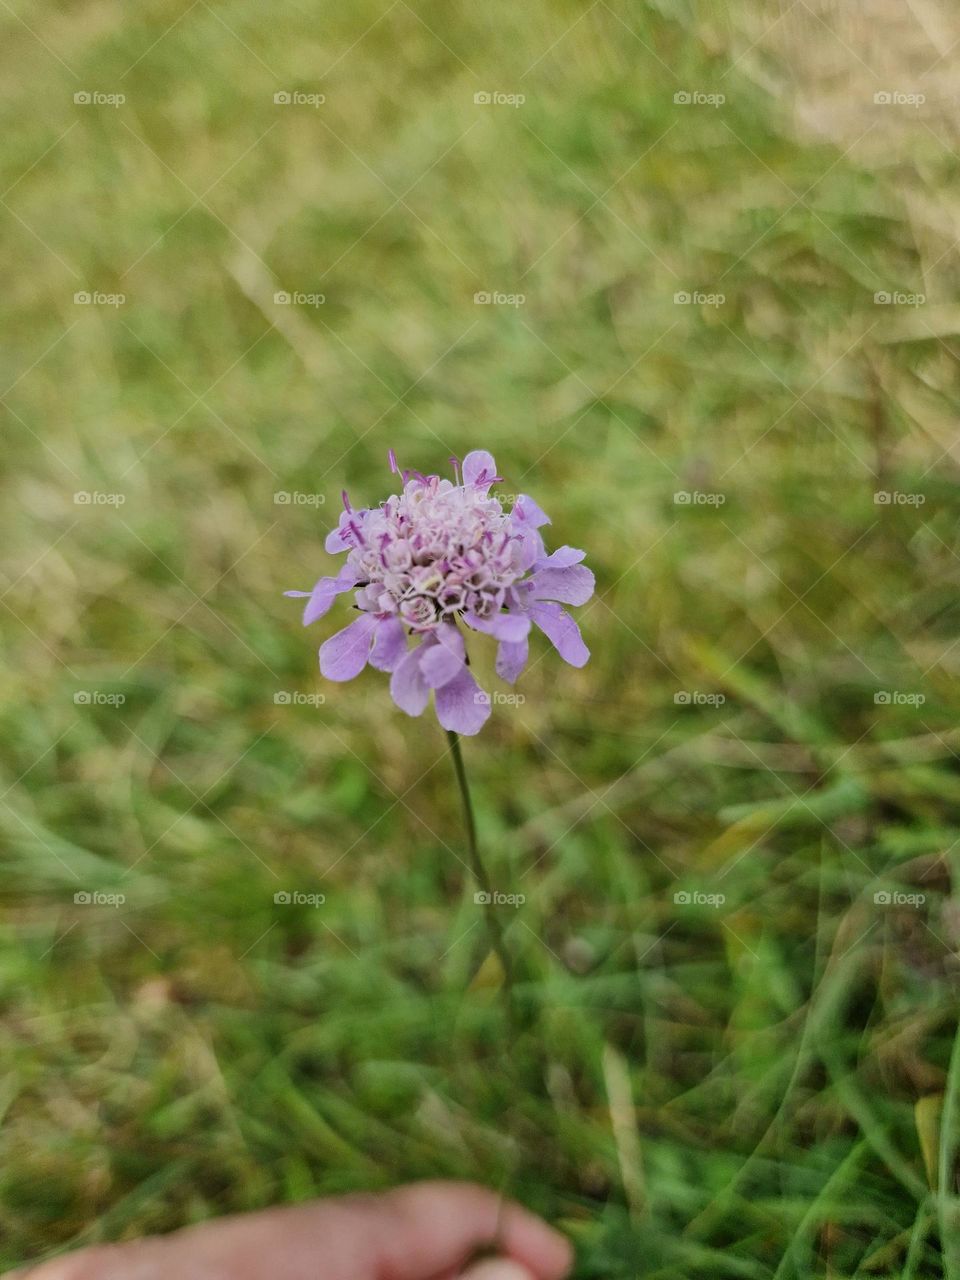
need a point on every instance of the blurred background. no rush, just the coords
(689, 271)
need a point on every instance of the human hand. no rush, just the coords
(424, 1231)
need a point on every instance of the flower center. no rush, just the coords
(433, 551)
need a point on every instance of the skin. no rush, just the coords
(425, 1231)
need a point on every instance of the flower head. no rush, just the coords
(434, 559)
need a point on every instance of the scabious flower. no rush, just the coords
(432, 560)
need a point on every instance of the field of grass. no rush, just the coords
(734, 829)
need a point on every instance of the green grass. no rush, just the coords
(721, 1090)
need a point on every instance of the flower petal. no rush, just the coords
(511, 659)
(324, 593)
(338, 539)
(561, 558)
(532, 550)
(512, 627)
(335, 542)
(572, 585)
(562, 632)
(389, 645)
(462, 706)
(479, 469)
(408, 688)
(526, 512)
(345, 655)
(443, 660)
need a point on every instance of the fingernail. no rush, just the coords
(496, 1269)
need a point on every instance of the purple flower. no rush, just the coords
(434, 558)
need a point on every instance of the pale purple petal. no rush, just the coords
(408, 688)
(561, 558)
(345, 655)
(526, 512)
(562, 632)
(479, 468)
(532, 550)
(462, 706)
(389, 645)
(512, 627)
(324, 593)
(511, 659)
(337, 539)
(573, 585)
(335, 542)
(526, 518)
(442, 661)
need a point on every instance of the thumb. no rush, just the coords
(496, 1269)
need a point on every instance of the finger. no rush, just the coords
(138, 1260)
(440, 1224)
(496, 1269)
(420, 1230)
(416, 1231)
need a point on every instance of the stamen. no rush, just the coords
(449, 546)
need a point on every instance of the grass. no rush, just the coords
(761, 1087)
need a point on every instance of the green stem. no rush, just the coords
(479, 870)
(494, 929)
